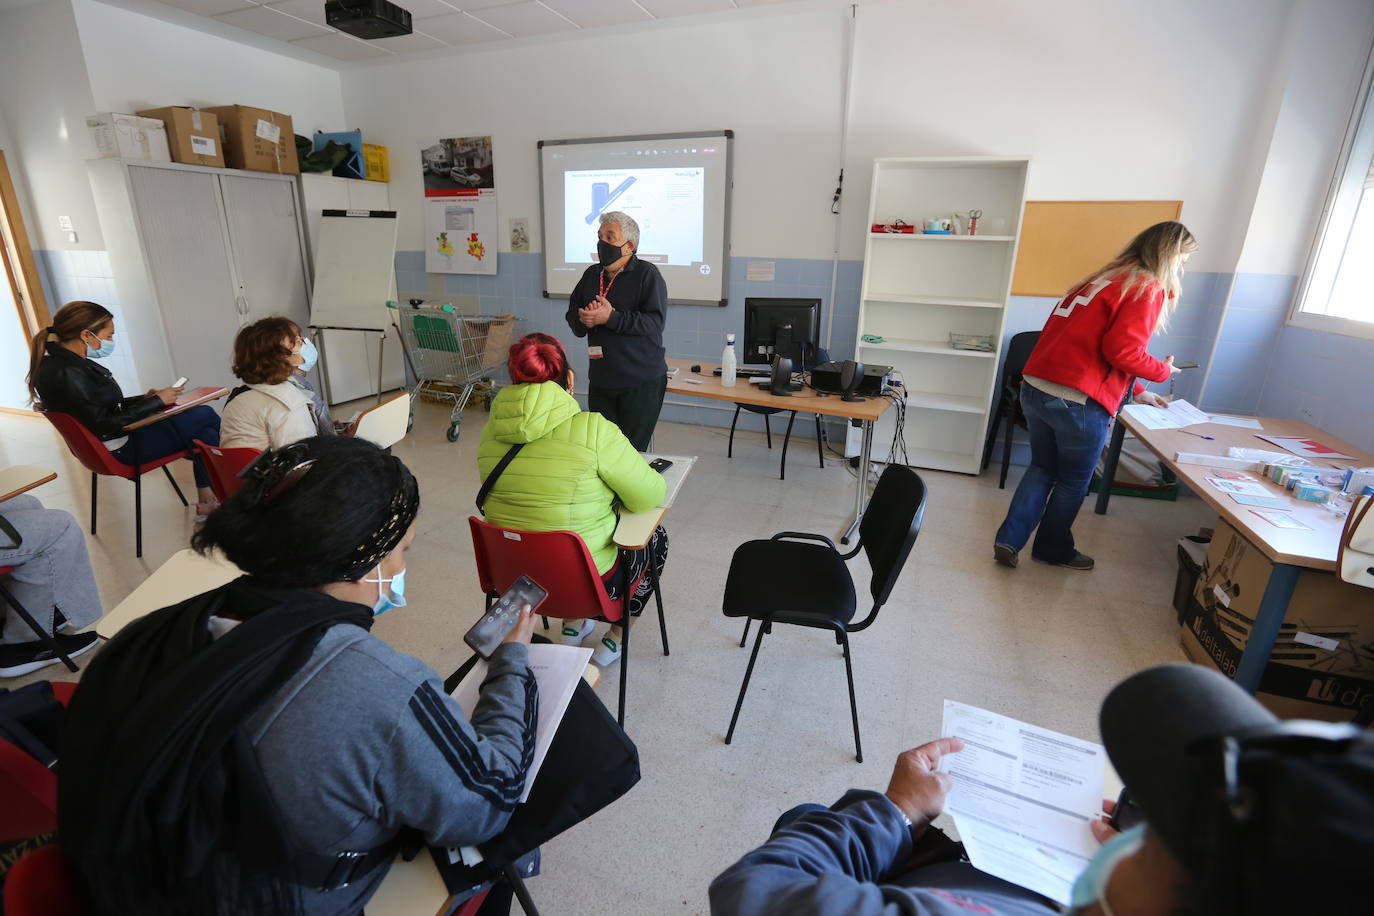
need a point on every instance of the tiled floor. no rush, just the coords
(1036, 643)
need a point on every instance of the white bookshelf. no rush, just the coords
(918, 289)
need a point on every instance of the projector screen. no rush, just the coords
(675, 186)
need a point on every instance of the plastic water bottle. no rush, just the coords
(727, 362)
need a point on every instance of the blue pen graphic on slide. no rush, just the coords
(603, 196)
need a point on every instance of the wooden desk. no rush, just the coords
(193, 398)
(1290, 550)
(185, 574)
(21, 478)
(808, 400)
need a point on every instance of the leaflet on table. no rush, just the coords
(557, 669)
(1307, 448)
(1176, 416)
(1242, 422)
(1023, 798)
(1246, 487)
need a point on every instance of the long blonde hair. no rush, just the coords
(1154, 256)
(70, 320)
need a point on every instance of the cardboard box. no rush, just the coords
(127, 136)
(376, 166)
(257, 139)
(192, 135)
(1322, 666)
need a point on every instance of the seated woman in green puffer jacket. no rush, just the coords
(574, 467)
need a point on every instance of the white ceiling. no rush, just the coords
(443, 23)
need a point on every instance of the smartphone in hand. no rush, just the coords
(179, 383)
(1127, 813)
(486, 634)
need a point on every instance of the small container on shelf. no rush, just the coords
(980, 342)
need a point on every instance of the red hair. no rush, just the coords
(537, 358)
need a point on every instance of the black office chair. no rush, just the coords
(767, 412)
(1009, 399)
(783, 580)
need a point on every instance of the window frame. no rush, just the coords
(1340, 196)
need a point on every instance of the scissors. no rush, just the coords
(975, 214)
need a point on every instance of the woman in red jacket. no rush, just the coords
(1092, 346)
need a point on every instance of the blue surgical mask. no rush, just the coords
(309, 355)
(1091, 886)
(397, 596)
(106, 349)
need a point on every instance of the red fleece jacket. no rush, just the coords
(1095, 340)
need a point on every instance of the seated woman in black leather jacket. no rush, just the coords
(63, 375)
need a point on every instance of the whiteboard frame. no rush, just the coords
(729, 138)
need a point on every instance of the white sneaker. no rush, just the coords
(574, 632)
(607, 651)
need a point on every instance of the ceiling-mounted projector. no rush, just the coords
(367, 18)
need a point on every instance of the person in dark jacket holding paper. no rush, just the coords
(64, 375)
(620, 305)
(255, 749)
(1234, 804)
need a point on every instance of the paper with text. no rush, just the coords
(1176, 416)
(557, 669)
(1023, 798)
(1307, 448)
(1242, 422)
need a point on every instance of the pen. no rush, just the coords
(1199, 435)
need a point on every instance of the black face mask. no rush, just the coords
(607, 254)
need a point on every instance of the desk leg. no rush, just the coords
(861, 492)
(1268, 619)
(522, 894)
(1109, 467)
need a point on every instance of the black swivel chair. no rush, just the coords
(1009, 399)
(767, 412)
(787, 580)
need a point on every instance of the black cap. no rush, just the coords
(1305, 842)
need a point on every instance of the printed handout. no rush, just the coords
(1176, 416)
(1244, 487)
(1023, 798)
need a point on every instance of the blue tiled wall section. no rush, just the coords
(1323, 379)
(1246, 340)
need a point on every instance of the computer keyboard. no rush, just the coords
(750, 373)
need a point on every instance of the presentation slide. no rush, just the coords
(668, 204)
(675, 187)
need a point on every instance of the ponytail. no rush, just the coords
(68, 324)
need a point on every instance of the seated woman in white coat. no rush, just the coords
(271, 409)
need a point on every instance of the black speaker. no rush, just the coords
(851, 374)
(780, 382)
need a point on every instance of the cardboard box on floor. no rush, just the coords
(1322, 666)
(192, 135)
(257, 139)
(127, 136)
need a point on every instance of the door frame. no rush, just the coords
(21, 270)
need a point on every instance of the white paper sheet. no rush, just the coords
(1176, 416)
(1242, 422)
(1023, 798)
(557, 669)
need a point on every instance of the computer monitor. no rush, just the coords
(785, 327)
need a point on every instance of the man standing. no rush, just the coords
(620, 305)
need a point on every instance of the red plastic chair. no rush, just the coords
(28, 795)
(46, 638)
(560, 562)
(223, 466)
(100, 461)
(43, 883)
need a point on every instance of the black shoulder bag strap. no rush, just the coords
(495, 473)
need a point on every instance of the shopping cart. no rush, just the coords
(453, 356)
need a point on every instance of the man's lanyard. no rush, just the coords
(602, 285)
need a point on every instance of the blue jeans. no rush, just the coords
(1066, 440)
(172, 435)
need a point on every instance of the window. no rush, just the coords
(1337, 291)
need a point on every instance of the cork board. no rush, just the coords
(1062, 241)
